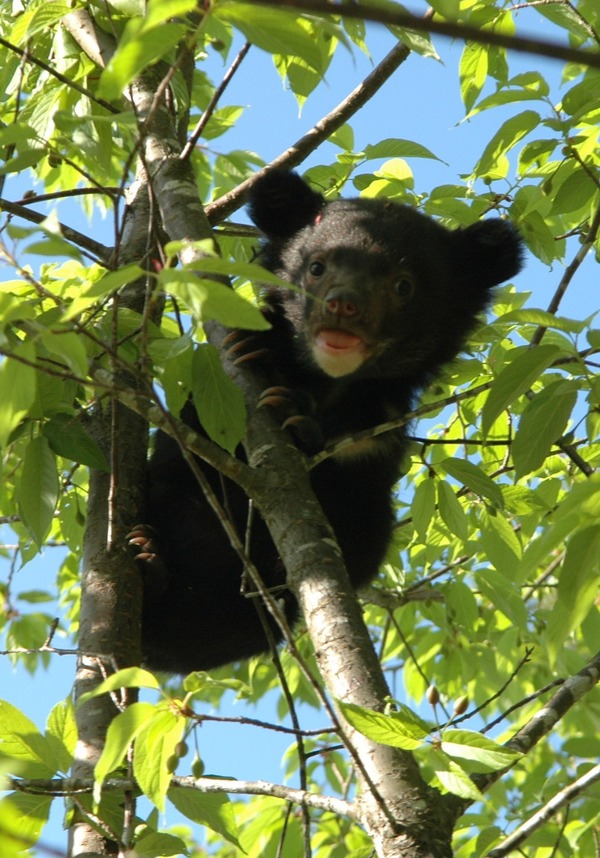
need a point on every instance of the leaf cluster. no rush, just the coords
(490, 586)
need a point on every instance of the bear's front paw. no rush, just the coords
(294, 409)
(143, 541)
(241, 346)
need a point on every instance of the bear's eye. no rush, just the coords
(316, 268)
(404, 287)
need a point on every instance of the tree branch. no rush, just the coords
(100, 251)
(84, 786)
(565, 796)
(570, 692)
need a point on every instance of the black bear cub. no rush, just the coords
(383, 297)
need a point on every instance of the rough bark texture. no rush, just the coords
(396, 806)
(111, 589)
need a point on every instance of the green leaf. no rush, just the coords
(499, 541)
(456, 781)
(423, 506)
(474, 478)
(577, 588)
(515, 379)
(12, 307)
(473, 69)
(33, 811)
(218, 401)
(61, 733)
(211, 264)
(542, 423)
(579, 509)
(493, 161)
(21, 741)
(154, 844)
(17, 389)
(451, 511)
(121, 732)
(274, 30)
(208, 299)
(38, 488)
(69, 348)
(535, 316)
(11, 827)
(68, 438)
(155, 744)
(397, 148)
(402, 729)
(39, 18)
(159, 11)
(35, 597)
(214, 810)
(468, 745)
(221, 121)
(138, 48)
(575, 193)
(129, 677)
(99, 288)
(583, 96)
(502, 594)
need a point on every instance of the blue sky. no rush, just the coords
(421, 103)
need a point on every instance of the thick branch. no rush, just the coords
(84, 786)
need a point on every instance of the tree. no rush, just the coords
(484, 620)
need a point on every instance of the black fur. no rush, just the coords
(385, 297)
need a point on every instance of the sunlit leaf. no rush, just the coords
(122, 730)
(515, 379)
(474, 478)
(155, 745)
(402, 729)
(577, 587)
(213, 810)
(468, 745)
(138, 48)
(493, 160)
(541, 425)
(451, 511)
(17, 389)
(20, 740)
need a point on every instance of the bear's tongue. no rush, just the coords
(336, 339)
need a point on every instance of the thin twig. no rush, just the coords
(61, 77)
(191, 143)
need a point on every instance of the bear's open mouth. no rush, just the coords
(336, 341)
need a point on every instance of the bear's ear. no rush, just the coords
(281, 204)
(491, 251)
